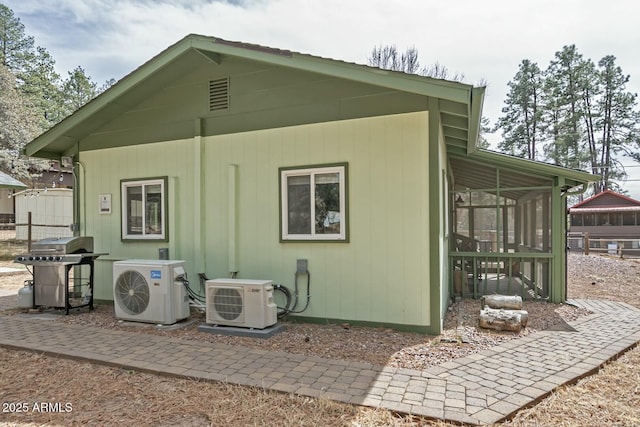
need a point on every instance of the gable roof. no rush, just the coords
(459, 104)
(606, 200)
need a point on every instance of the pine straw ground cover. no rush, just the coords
(101, 395)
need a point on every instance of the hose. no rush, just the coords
(285, 311)
(192, 294)
(286, 292)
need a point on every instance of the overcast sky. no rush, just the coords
(480, 39)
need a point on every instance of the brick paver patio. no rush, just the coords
(482, 388)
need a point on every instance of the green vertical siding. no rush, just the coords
(101, 173)
(380, 275)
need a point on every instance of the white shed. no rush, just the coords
(8, 185)
(51, 213)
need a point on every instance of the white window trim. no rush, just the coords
(123, 208)
(312, 171)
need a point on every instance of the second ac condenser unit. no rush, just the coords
(240, 302)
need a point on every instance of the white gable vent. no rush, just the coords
(219, 94)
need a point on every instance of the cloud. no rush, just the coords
(482, 40)
(479, 39)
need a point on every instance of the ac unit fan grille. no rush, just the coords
(227, 303)
(132, 292)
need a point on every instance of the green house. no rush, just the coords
(243, 159)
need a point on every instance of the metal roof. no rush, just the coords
(607, 198)
(605, 209)
(7, 181)
(515, 177)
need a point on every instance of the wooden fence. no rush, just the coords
(583, 243)
(13, 242)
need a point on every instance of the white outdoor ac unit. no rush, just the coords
(239, 302)
(150, 291)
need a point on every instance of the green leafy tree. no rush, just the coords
(521, 123)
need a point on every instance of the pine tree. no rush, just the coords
(78, 89)
(15, 46)
(30, 96)
(41, 87)
(567, 79)
(617, 124)
(21, 118)
(33, 67)
(585, 117)
(17, 127)
(520, 124)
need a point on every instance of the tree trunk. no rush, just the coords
(503, 320)
(502, 301)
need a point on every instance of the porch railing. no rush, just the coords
(483, 273)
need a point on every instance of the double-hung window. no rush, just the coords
(144, 209)
(314, 203)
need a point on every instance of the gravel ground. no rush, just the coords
(373, 345)
(604, 277)
(589, 277)
(379, 346)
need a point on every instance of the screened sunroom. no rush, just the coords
(508, 226)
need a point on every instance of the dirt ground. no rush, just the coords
(84, 393)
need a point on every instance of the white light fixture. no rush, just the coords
(66, 162)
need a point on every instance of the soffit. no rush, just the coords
(516, 178)
(470, 174)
